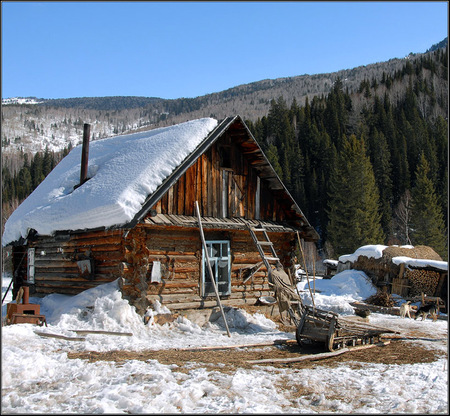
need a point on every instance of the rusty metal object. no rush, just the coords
(25, 312)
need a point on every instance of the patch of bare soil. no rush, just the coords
(397, 352)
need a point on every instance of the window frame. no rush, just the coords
(205, 274)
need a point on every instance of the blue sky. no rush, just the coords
(188, 49)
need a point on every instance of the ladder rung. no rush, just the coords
(265, 243)
(257, 229)
(271, 258)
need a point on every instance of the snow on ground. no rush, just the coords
(38, 377)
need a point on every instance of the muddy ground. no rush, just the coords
(399, 350)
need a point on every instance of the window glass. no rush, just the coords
(220, 262)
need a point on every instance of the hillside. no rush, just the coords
(32, 124)
(384, 126)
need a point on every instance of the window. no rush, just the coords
(220, 261)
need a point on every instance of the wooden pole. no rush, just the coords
(314, 273)
(321, 356)
(306, 269)
(209, 266)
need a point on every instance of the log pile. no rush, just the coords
(422, 281)
(381, 299)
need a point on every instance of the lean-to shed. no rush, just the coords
(407, 271)
(134, 218)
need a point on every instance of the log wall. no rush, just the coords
(179, 250)
(59, 260)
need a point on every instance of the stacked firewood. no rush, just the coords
(381, 299)
(422, 281)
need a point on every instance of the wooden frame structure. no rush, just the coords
(235, 186)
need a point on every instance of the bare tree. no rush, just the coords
(402, 217)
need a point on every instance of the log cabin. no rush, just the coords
(66, 239)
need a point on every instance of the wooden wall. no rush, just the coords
(204, 182)
(56, 261)
(222, 176)
(180, 252)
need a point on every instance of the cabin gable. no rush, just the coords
(225, 184)
(231, 178)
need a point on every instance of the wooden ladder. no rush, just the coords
(265, 247)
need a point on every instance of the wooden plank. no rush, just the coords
(50, 335)
(204, 176)
(315, 357)
(209, 183)
(227, 347)
(189, 191)
(181, 191)
(216, 183)
(91, 331)
(198, 186)
(164, 202)
(170, 202)
(209, 267)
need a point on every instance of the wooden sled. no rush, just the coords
(332, 330)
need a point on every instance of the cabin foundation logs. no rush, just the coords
(422, 281)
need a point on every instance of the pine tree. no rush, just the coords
(426, 216)
(353, 200)
(272, 157)
(382, 170)
(440, 136)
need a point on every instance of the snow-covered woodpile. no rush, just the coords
(407, 271)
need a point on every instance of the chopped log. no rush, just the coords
(423, 281)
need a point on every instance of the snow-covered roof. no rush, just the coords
(123, 171)
(420, 263)
(376, 252)
(372, 251)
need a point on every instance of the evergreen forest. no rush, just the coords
(373, 175)
(366, 167)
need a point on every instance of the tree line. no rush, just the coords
(354, 173)
(366, 167)
(18, 184)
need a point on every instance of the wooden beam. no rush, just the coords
(209, 267)
(315, 357)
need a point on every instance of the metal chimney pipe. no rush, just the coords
(85, 153)
(26, 295)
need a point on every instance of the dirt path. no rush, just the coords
(397, 352)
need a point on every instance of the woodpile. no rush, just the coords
(381, 299)
(422, 281)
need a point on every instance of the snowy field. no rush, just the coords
(38, 376)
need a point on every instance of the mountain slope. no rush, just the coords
(56, 123)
